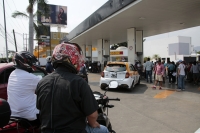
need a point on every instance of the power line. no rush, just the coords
(11, 11)
(10, 19)
(20, 19)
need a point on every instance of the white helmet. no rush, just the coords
(48, 58)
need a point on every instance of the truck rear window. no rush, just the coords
(115, 67)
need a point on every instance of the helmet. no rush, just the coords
(69, 55)
(25, 61)
(48, 58)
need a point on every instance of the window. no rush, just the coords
(115, 67)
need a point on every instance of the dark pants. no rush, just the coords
(171, 77)
(149, 75)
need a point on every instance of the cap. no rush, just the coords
(180, 61)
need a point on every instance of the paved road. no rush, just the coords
(153, 111)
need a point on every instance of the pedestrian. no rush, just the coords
(181, 76)
(164, 75)
(148, 67)
(159, 71)
(65, 100)
(195, 72)
(99, 66)
(171, 69)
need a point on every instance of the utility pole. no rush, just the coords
(15, 40)
(5, 32)
(26, 42)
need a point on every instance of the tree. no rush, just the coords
(145, 58)
(31, 17)
(156, 56)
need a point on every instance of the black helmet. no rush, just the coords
(25, 61)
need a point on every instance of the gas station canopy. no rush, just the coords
(152, 16)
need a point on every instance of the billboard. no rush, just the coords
(44, 32)
(57, 15)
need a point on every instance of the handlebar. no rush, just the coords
(114, 99)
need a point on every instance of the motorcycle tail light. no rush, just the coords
(127, 75)
(102, 74)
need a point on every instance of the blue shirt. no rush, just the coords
(148, 65)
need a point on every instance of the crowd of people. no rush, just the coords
(176, 73)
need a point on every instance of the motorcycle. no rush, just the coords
(103, 101)
(10, 124)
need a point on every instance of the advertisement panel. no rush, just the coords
(44, 32)
(57, 15)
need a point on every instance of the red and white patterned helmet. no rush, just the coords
(69, 54)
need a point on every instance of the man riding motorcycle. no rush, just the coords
(49, 67)
(21, 87)
(65, 100)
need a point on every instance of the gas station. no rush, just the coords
(130, 21)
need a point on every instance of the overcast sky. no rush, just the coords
(77, 11)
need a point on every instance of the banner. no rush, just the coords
(57, 15)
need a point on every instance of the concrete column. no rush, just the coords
(139, 45)
(106, 48)
(132, 56)
(88, 51)
(99, 49)
(83, 47)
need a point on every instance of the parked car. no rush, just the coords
(124, 73)
(5, 71)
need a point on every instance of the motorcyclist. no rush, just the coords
(49, 67)
(64, 99)
(21, 87)
(83, 72)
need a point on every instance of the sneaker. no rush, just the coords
(178, 90)
(154, 87)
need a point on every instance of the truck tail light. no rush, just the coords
(127, 75)
(102, 74)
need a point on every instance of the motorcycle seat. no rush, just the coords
(23, 123)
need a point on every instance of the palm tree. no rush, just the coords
(31, 16)
(156, 56)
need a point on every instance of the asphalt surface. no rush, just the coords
(145, 110)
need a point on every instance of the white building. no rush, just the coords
(174, 48)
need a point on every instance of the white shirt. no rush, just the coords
(21, 94)
(181, 67)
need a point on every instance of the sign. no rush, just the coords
(94, 49)
(57, 15)
(116, 53)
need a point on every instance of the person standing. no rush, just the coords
(195, 72)
(171, 68)
(181, 76)
(159, 71)
(148, 67)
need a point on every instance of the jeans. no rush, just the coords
(102, 129)
(149, 74)
(181, 82)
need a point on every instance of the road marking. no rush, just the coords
(164, 94)
(198, 131)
